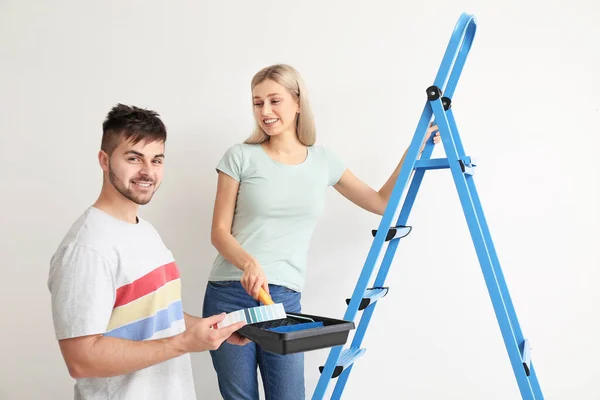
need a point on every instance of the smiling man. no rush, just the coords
(115, 286)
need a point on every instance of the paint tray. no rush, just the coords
(298, 333)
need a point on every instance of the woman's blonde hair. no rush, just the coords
(290, 79)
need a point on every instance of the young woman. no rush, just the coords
(270, 193)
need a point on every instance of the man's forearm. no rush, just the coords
(108, 356)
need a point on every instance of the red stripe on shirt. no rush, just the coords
(147, 284)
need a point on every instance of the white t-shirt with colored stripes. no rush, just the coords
(118, 279)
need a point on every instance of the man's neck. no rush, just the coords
(115, 205)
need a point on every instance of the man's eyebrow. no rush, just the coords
(137, 153)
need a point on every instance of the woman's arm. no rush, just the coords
(365, 196)
(222, 239)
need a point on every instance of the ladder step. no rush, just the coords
(526, 357)
(395, 232)
(467, 166)
(346, 359)
(371, 296)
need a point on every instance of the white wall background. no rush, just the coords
(527, 106)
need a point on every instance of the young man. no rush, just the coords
(115, 287)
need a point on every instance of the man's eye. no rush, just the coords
(158, 161)
(133, 159)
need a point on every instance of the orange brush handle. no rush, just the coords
(264, 297)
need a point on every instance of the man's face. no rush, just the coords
(136, 171)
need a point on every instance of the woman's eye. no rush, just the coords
(257, 104)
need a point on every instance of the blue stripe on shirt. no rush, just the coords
(147, 327)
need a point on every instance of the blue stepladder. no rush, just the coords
(438, 106)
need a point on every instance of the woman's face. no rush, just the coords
(275, 109)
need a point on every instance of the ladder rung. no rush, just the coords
(433, 163)
(371, 296)
(467, 165)
(526, 357)
(346, 359)
(395, 232)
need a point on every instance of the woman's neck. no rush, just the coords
(286, 150)
(285, 144)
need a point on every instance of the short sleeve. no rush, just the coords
(82, 290)
(335, 166)
(231, 162)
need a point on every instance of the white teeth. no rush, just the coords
(142, 184)
(270, 121)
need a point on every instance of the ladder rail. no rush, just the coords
(360, 288)
(495, 262)
(487, 236)
(391, 250)
(383, 270)
(376, 247)
(483, 253)
(456, 54)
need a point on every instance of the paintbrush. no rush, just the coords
(264, 298)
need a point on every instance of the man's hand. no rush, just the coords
(202, 336)
(238, 340)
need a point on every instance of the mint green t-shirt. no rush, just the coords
(277, 208)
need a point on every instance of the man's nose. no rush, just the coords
(145, 169)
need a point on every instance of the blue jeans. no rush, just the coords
(236, 366)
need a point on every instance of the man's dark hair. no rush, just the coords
(133, 124)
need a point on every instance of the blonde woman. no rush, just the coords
(270, 193)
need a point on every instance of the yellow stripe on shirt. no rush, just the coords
(146, 306)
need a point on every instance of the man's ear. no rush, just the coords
(103, 160)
